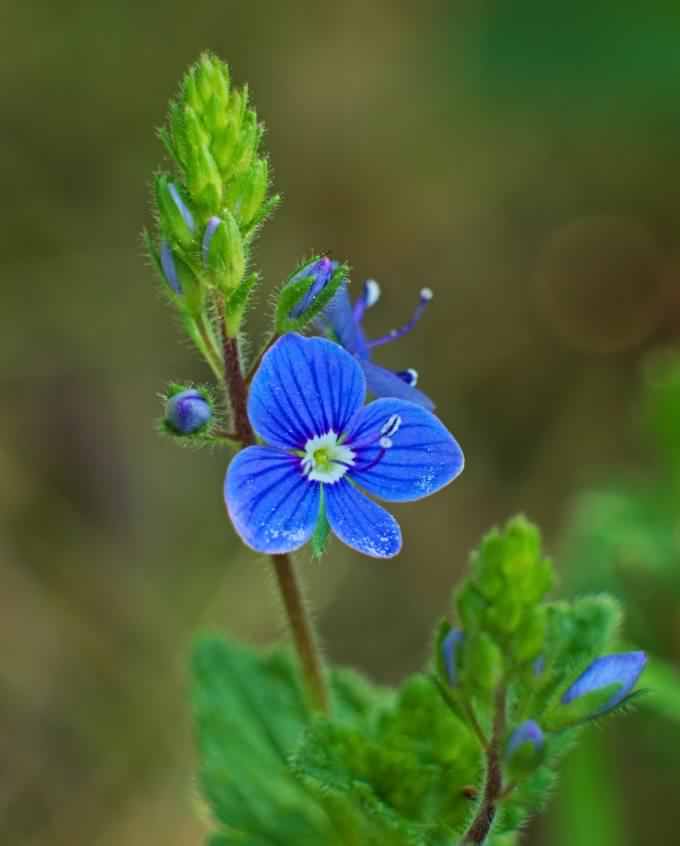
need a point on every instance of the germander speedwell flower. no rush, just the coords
(324, 451)
(344, 321)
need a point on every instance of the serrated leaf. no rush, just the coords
(250, 715)
(406, 772)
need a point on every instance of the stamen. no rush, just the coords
(368, 297)
(384, 441)
(391, 427)
(409, 376)
(425, 298)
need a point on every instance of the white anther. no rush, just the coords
(426, 294)
(385, 443)
(371, 292)
(391, 427)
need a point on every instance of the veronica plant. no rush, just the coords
(294, 752)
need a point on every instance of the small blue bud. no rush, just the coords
(623, 669)
(320, 273)
(187, 217)
(538, 665)
(449, 648)
(187, 412)
(169, 268)
(210, 228)
(528, 732)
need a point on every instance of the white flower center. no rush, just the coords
(325, 460)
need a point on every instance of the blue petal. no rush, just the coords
(272, 506)
(384, 383)
(360, 523)
(449, 647)
(423, 458)
(340, 317)
(622, 668)
(304, 387)
(528, 732)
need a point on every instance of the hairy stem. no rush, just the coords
(493, 787)
(301, 628)
(291, 593)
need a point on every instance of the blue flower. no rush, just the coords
(320, 273)
(321, 444)
(528, 732)
(449, 647)
(187, 412)
(344, 321)
(623, 669)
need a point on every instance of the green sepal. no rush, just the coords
(523, 761)
(440, 634)
(582, 709)
(192, 298)
(528, 641)
(322, 531)
(171, 221)
(292, 293)
(237, 303)
(266, 210)
(470, 606)
(152, 252)
(193, 290)
(481, 665)
(246, 193)
(225, 259)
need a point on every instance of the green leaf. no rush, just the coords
(406, 771)
(250, 716)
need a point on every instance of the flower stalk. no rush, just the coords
(291, 593)
(493, 785)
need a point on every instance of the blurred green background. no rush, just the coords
(521, 159)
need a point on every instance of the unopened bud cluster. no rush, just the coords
(510, 639)
(208, 210)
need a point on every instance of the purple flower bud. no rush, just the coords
(528, 732)
(187, 412)
(449, 648)
(320, 273)
(168, 267)
(623, 669)
(210, 228)
(187, 217)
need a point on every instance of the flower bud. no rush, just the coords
(187, 412)
(176, 218)
(449, 650)
(222, 251)
(623, 669)
(538, 665)
(181, 278)
(319, 273)
(246, 194)
(528, 732)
